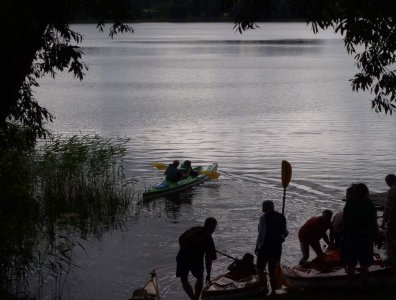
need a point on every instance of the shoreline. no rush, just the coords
(384, 293)
(137, 21)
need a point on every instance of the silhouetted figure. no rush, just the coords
(272, 231)
(195, 244)
(361, 229)
(389, 220)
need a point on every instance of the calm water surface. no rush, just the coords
(203, 92)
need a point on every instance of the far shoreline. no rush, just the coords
(199, 20)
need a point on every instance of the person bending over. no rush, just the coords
(312, 232)
(195, 244)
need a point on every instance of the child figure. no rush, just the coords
(242, 268)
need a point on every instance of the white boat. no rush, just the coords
(150, 290)
(332, 275)
(224, 287)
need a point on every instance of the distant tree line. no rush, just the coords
(196, 10)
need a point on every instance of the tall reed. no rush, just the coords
(53, 194)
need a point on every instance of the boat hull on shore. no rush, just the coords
(150, 290)
(310, 277)
(226, 288)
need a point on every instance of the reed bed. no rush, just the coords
(53, 195)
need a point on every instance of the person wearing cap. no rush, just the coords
(172, 173)
(272, 231)
(312, 232)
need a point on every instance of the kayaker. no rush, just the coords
(272, 232)
(312, 232)
(389, 218)
(186, 169)
(172, 173)
(195, 244)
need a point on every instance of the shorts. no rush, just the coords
(358, 249)
(184, 266)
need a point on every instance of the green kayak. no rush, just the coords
(167, 187)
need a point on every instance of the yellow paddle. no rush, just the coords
(286, 177)
(286, 174)
(210, 174)
(159, 166)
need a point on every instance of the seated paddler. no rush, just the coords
(172, 173)
(186, 170)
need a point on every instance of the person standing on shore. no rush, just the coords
(195, 244)
(389, 218)
(272, 231)
(361, 230)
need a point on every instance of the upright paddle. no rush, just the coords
(286, 177)
(210, 174)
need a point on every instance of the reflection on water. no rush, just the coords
(171, 204)
(174, 202)
(202, 92)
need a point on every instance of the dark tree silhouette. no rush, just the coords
(37, 40)
(369, 32)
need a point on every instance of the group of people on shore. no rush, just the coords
(353, 231)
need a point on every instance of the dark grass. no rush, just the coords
(53, 195)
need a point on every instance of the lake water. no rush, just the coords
(205, 93)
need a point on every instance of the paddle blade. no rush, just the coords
(280, 280)
(286, 173)
(211, 174)
(160, 166)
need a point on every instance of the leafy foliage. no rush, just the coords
(246, 11)
(40, 42)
